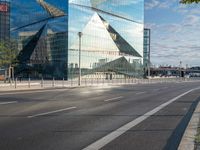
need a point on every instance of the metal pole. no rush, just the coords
(15, 83)
(53, 82)
(149, 55)
(79, 78)
(42, 82)
(29, 84)
(63, 84)
(180, 68)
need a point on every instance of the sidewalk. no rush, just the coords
(189, 140)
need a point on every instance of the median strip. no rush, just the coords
(51, 112)
(115, 134)
(113, 99)
(5, 103)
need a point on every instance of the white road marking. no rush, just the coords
(112, 99)
(140, 93)
(51, 112)
(156, 90)
(165, 87)
(5, 103)
(32, 91)
(113, 135)
(93, 91)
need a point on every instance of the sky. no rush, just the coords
(23, 13)
(175, 31)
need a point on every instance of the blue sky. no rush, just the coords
(24, 12)
(175, 32)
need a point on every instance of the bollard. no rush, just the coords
(15, 83)
(53, 82)
(29, 84)
(42, 83)
(63, 84)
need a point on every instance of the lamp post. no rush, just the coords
(149, 55)
(79, 77)
(180, 72)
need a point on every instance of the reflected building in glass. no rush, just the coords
(48, 42)
(40, 29)
(4, 20)
(112, 38)
(146, 55)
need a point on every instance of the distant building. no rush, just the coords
(51, 51)
(57, 46)
(40, 54)
(4, 20)
(146, 52)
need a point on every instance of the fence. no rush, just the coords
(35, 84)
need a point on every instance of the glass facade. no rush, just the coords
(146, 56)
(46, 32)
(4, 20)
(40, 29)
(111, 41)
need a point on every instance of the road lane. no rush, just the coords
(92, 120)
(115, 134)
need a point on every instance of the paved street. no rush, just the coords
(123, 117)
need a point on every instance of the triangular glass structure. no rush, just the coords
(120, 42)
(98, 35)
(96, 38)
(25, 54)
(120, 66)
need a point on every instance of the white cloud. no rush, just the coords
(176, 40)
(159, 4)
(151, 4)
(125, 2)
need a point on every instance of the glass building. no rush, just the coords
(111, 44)
(4, 20)
(111, 41)
(40, 29)
(146, 55)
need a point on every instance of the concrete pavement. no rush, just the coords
(76, 118)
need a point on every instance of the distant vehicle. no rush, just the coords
(194, 74)
(2, 74)
(187, 76)
(2, 78)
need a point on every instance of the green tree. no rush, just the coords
(189, 1)
(8, 52)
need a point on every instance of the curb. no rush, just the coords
(188, 139)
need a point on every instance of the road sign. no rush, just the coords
(3, 7)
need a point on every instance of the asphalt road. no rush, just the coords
(132, 117)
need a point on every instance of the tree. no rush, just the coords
(189, 1)
(8, 52)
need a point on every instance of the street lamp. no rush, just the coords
(149, 55)
(180, 72)
(79, 77)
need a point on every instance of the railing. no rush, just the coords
(42, 83)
